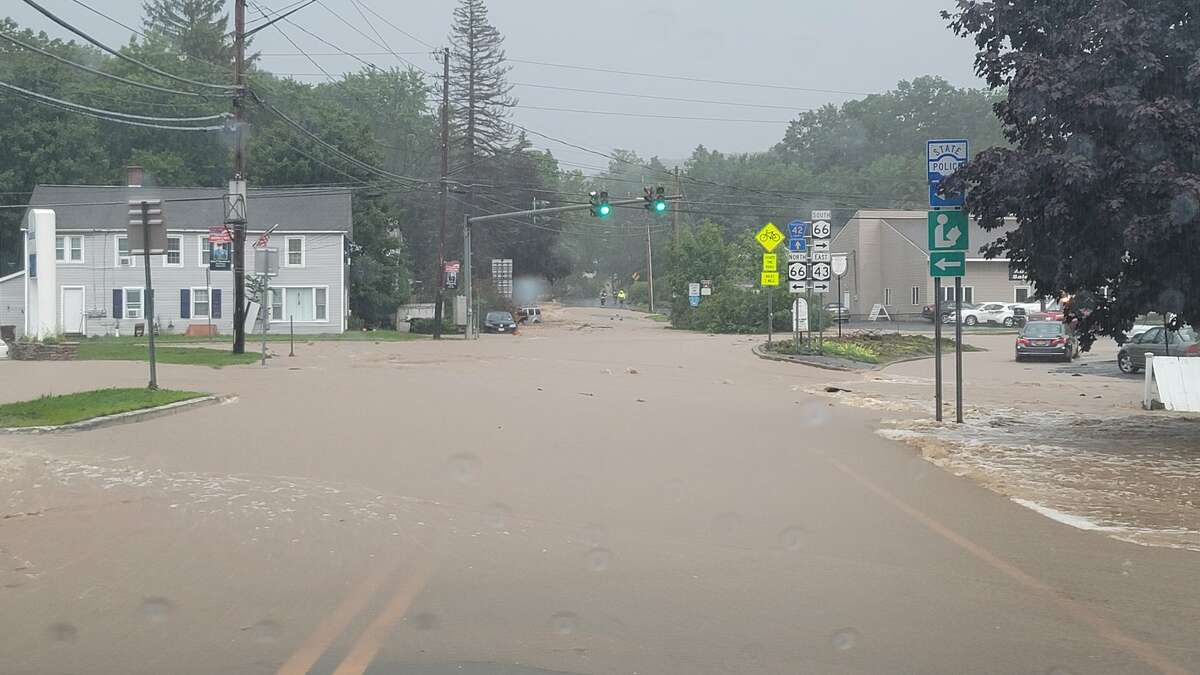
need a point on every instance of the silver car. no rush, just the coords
(1159, 342)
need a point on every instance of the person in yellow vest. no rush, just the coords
(621, 297)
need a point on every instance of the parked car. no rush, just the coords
(838, 311)
(1159, 342)
(990, 312)
(1020, 316)
(947, 310)
(1046, 338)
(499, 322)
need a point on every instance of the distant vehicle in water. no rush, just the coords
(840, 312)
(499, 322)
(1159, 342)
(1046, 338)
(531, 314)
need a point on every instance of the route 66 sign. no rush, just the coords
(797, 271)
(821, 229)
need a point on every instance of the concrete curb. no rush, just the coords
(760, 351)
(122, 418)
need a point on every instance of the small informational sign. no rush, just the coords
(839, 264)
(706, 287)
(820, 286)
(769, 237)
(821, 246)
(825, 214)
(220, 256)
(800, 315)
(148, 223)
(266, 261)
(944, 158)
(797, 287)
(770, 279)
(948, 231)
(694, 300)
(947, 263)
(794, 256)
(694, 289)
(770, 262)
(822, 257)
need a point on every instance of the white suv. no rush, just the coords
(988, 312)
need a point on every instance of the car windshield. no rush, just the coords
(1042, 329)
(257, 418)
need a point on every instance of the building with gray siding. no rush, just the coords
(101, 285)
(888, 264)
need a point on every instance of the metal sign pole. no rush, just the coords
(264, 311)
(469, 330)
(148, 301)
(958, 392)
(937, 346)
(839, 304)
(770, 315)
(208, 290)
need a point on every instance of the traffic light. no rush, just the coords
(656, 200)
(600, 206)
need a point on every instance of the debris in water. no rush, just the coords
(631, 371)
(833, 390)
(585, 393)
(641, 400)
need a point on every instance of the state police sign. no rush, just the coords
(945, 157)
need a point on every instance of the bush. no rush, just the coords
(425, 326)
(743, 310)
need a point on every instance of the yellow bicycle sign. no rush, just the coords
(770, 237)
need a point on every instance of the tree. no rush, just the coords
(1101, 106)
(479, 88)
(197, 29)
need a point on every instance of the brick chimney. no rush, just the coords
(134, 175)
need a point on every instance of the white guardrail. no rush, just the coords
(1172, 383)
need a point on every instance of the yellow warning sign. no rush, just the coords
(769, 236)
(770, 279)
(770, 262)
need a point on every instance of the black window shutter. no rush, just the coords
(185, 303)
(214, 303)
(118, 299)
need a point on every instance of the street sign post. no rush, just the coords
(944, 158)
(769, 237)
(838, 266)
(146, 234)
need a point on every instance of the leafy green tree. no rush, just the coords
(1102, 106)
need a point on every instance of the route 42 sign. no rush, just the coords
(821, 271)
(797, 271)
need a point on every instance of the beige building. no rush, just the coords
(888, 263)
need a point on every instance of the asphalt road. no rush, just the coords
(592, 496)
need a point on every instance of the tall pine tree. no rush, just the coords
(479, 87)
(197, 29)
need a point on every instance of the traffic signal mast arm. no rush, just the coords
(563, 209)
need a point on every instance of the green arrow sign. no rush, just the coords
(948, 231)
(947, 264)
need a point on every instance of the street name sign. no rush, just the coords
(948, 231)
(769, 237)
(947, 263)
(945, 157)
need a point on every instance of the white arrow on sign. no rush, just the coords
(945, 264)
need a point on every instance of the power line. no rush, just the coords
(113, 116)
(101, 73)
(686, 78)
(50, 15)
(374, 30)
(395, 27)
(103, 15)
(111, 113)
(660, 98)
(648, 115)
(387, 53)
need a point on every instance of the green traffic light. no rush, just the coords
(604, 210)
(660, 206)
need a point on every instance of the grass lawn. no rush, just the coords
(101, 350)
(661, 318)
(870, 347)
(68, 408)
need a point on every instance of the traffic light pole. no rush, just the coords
(148, 299)
(468, 221)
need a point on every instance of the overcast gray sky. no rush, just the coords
(859, 46)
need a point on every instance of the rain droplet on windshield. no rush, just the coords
(844, 640)
(598, 559)
(792, 538)
(564, 623)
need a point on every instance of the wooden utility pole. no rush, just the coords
(441, 264)
(675, 211)
(237, 186)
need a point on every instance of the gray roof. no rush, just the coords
(914, 226)
(196, 208)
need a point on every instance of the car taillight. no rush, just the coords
(1058, 342)
(1193, 348)
(1023, 342)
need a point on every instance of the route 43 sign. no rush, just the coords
(821, 271)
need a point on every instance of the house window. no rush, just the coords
(916, 295)
(133, 303)
(174, 255)
(887, 297)
(968, 294)
(200, 303)
(277, 304)
(205, 251)
(123, 257)
(295, 251)
(69, 249)
(300, 304)
(1021, 294)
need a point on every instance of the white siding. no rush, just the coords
(100, 274)
(12, 302)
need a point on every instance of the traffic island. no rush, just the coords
(96, 408)
(856, 351)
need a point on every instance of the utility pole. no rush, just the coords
(650, 264)
(237, 186)
(675, 211)
(441, 268)
(148, 300)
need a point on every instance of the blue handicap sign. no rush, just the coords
(694, 300)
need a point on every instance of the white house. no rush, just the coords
(98, 286)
